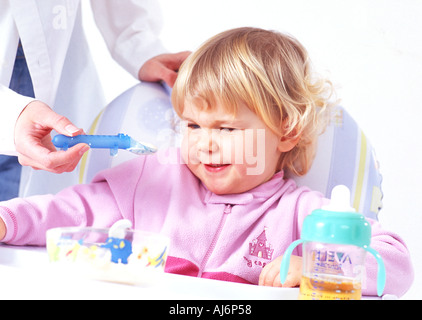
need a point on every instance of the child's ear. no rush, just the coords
(288, 142)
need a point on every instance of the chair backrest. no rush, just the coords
(344, 154)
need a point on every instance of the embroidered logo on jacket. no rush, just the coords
(259, 248)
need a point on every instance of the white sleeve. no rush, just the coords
(11, 106)
(130, 29)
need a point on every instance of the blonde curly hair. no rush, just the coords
(271, 73)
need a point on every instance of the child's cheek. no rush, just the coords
(184, 150)
(232, 147)
(188, 148)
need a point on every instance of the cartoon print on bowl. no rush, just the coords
(120, 249)
(117, 254)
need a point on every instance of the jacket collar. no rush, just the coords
(261, 192)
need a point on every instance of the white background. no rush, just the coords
(371, 50)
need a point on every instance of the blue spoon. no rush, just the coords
(119, 141)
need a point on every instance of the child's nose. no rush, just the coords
(208, 141)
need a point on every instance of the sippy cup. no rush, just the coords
(335, 241)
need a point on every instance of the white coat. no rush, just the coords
(59, 62)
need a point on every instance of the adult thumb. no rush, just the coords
(37, 115)
(61, 124)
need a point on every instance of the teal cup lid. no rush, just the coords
(337, 227)
(337, 222)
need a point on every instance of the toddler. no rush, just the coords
(251, 109)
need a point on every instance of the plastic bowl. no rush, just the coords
(138, 257)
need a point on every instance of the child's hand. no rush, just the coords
(270, 275)
(2, 229)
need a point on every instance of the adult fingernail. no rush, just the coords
(71, 129)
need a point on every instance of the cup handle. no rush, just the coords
(284, 268)
(381, 274)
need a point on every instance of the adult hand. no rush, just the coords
(33, 139)
(163, 67)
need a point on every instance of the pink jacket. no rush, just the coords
(227, 237)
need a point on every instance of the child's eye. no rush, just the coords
(227, 129)
(193, 126)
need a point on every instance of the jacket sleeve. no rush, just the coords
(27, 220)
(130, 29)
(108, 198)
(12, 104)
(396, 257)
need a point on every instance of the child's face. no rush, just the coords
(229, 154)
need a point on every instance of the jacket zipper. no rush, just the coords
(227, 210)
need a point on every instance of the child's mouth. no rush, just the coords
(215, 167)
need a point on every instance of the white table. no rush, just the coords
(25, 273)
